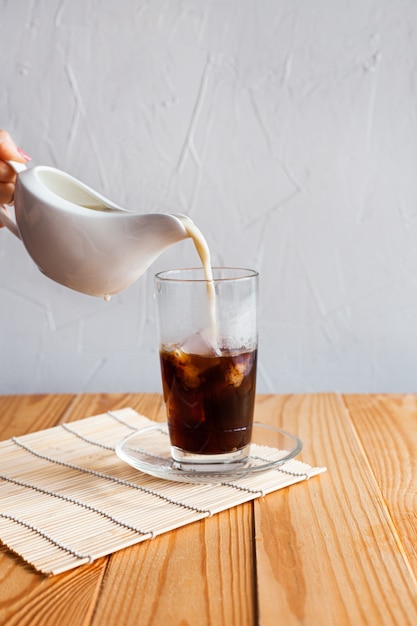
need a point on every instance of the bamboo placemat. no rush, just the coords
(67, 499)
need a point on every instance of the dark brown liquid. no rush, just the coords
(209, 400)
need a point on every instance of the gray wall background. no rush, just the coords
(286, 129)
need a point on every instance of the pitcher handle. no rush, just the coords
(7, 220)
(5, 217)
(18, 167)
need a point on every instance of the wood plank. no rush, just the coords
(391, 449)
(31, 599)
(28, 598)
(327, 552)
(200, 574)
(20, 415)
(86, 405)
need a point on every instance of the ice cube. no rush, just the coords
(235, 374)
(187, 371)
(200, 343)
(191, 376)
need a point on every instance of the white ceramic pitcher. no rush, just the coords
(80, 239)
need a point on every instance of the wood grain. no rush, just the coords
(27, 414)
(30, 599)
(391, 450)
(202, 572)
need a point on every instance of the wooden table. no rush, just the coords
(338, 549)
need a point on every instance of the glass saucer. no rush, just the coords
(148, 450)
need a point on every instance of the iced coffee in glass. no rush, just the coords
(208, 354)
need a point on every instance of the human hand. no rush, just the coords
(8, 152)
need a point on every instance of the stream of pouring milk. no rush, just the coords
(204, 253)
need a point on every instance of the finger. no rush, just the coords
(9, 151)
(6, 193)
(7, 173)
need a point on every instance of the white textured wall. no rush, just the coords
(287, 129)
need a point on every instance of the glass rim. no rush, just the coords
(164, 275)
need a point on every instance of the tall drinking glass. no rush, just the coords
(208, 354)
